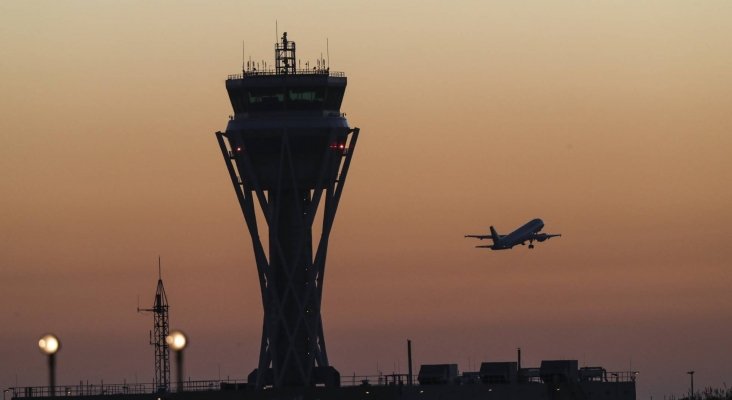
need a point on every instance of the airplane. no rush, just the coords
(528, 232)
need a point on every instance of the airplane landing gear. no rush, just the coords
(531, 246)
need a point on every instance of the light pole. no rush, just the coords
(691, 390)
(49, 345)
(178, 341)
(5, 391)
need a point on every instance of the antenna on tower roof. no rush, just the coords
(327, 53)
(160, 270)
(243, 57)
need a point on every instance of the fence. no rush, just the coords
(87, 389)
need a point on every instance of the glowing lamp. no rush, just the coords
(49, 344)
(177, 340)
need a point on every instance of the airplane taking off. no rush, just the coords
(529, 232)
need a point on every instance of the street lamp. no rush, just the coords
(691, 391)
(178, 341)
(49, 345)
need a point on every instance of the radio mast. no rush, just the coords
(161, 328)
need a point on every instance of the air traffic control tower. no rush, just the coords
(287, 149)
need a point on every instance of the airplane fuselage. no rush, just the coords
(520, 235)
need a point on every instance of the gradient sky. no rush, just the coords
(611, 120)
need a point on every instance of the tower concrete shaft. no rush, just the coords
(288, 149)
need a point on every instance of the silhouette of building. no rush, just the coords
(287, 149)
(552, 380)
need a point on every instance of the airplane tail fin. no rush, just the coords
(494, 235)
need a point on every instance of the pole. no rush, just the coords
(409, 358)
(179, 369)
(692, 386)
(691, 390)
(52, 373)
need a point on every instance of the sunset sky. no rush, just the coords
(610, 120)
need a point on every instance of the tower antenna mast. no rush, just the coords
(161, 328)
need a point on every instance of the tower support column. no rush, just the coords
(291, 277)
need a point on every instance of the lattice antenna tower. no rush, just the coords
(285, 60)
(161, 329)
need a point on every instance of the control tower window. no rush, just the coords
(266, 99)
(303, 96)
(305, 99)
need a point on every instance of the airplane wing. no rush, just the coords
(540, 237)
(481, 237)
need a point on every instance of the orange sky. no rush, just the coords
(609, 120)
